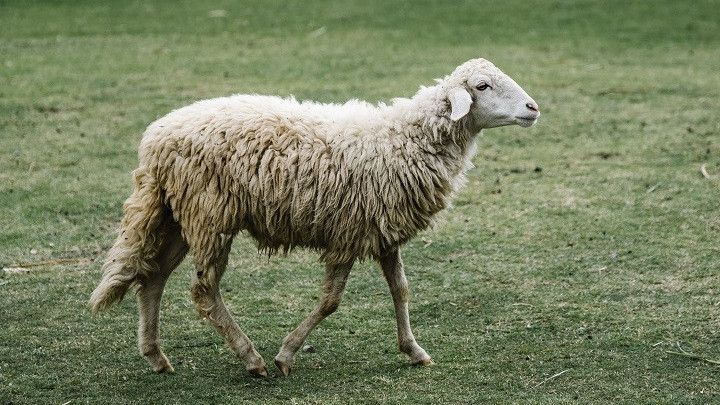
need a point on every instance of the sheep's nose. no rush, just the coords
(532, 106)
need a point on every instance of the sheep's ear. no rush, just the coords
(460, 101)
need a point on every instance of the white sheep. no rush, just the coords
(352, 181)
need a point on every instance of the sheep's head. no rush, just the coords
(479, 90)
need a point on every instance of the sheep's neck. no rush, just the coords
(448, 146)
(426, 158)
(449, 143)
(439, 152)
(454, 149)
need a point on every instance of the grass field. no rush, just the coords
(587, 245)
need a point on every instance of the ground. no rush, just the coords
(586, 246)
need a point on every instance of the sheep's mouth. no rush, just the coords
(526, 121)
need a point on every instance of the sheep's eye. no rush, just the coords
(483, 86)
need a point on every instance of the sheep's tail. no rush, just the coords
(136, 246)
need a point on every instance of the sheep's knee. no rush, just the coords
(204, 308)
(403, 294)
(202, 298)
(330, 306)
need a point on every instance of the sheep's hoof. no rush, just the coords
(284, 368)
(160, 363)
(423, 362)
(258, 372)
(164, 368)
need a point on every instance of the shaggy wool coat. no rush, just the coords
(348, 180)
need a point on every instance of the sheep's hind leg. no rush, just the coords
(392, 268)
(210, 264)
(171, 252)
(333, 286)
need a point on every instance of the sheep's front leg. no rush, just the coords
(392, 268)
(333, 287)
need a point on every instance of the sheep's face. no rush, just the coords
(490, 96)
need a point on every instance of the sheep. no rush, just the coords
(353, 181)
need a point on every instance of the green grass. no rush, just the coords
(598, 262)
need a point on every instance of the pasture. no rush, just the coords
(580, 264)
